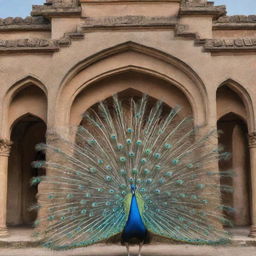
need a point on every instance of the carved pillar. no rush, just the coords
(5, 147)
(252, 146)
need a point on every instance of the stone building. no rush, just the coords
(70, 54)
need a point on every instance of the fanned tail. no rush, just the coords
(90, 170)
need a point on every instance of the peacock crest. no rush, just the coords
(86, 196)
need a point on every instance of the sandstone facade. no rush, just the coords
(70, 54)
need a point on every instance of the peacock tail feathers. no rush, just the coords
(86, 196)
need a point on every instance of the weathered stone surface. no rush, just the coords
(128, 21)
(65, 3)
(51, 10)
(191, 8)
(28, 23)
(19, 20)
(237, 19)
(246, 44)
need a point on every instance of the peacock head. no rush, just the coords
(133, 188)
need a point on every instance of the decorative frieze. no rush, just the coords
(128, 21)
(240, 44)
(28, 23)
(5, 147)
(236, 22)
(237, 19)
(252, 140)
(36, 45)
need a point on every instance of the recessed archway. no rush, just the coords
(129, 83)
(234, 115)
(27, 131)
(130, 57)
(234, 139)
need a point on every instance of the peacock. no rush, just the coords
(134, 168)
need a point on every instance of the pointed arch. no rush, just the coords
(133, 57)
(37, 96)
(244, 95)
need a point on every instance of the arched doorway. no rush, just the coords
(232, 116)
(26, 133)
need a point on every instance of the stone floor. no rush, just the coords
(19, 243)
(148, 250)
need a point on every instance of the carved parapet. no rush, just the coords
(28, 23)
(252, 140)
(237, 19)
(236, 22)
(5, 147)
(230, 45)
(126, 22)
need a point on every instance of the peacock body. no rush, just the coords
(133, 168)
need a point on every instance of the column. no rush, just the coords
(5, 147)
(252, 146)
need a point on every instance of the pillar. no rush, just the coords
(252, 146)
(5, 147)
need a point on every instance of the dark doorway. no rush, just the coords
(26, 133)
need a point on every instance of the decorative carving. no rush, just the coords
(64, 3)
(5, 147)
(252, 144)
(29, 23)
(128, 21)
(20, 21)
(26, 43)
(230, 44)
(195, 3)
(51, 136)
(237, 19)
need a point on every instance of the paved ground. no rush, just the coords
(149, 250)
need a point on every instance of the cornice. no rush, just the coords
(202, 9)
(54, 11)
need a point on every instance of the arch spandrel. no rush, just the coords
(132, 57)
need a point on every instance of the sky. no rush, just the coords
(22, 8)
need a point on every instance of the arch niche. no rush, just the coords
(234, 120)
(133, 66)
(27, 110)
